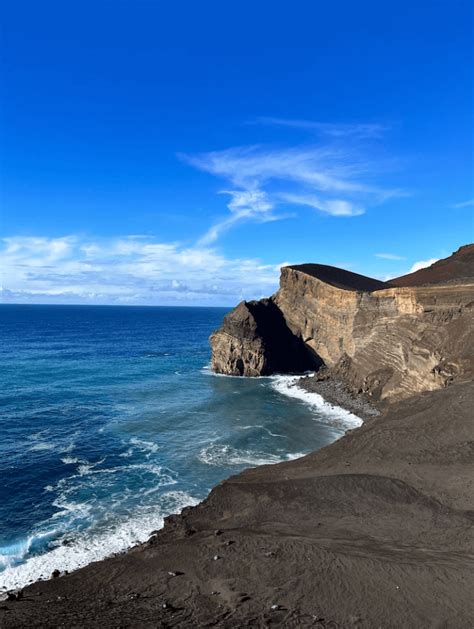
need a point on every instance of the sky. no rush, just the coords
(180, 153)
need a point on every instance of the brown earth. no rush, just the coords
(457, 268)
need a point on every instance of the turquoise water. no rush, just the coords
(111, 419)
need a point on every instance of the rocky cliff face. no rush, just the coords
(254, 340)
(388, 341)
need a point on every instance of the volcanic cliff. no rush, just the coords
(386, 339)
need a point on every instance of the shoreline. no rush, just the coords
(381, 509)
(315, 398)
(335, 392)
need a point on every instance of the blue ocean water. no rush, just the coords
(111, 419)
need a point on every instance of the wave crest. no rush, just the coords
(223, 455)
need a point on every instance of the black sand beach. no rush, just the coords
(372, 531)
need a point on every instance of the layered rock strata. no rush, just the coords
(385, 340)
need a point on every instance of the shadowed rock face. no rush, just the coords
(254, 340)
(385, 340)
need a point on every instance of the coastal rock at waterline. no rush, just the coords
(254, 340)
(386, 339)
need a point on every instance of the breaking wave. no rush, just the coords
(223, 455)
(288, 385)
(78, 550)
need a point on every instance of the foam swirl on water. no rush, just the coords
(222, 454)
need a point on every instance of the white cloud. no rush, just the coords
(422, 264)
(130, 269)
(389, 256)
(244, 204)
(328, 169)
(468, 203)
(331, 178)
(335, 207)
(44, 251)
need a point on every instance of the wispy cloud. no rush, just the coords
(389, 256)
(333, 178)
(468, 203)
(334, 207)
(336, 130)
(129, 269)
(244, 204)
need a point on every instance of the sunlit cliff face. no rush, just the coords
(388, 343)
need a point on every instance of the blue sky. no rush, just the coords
(180, 153)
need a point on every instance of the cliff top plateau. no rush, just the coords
(458, 267)
(339, 277)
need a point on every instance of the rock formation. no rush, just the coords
(389, 339)
(255, 341)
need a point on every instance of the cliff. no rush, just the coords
(246, 343)
(388, 340)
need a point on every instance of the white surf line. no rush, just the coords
(288, 385)
(84, 548)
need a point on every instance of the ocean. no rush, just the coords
(111, 419)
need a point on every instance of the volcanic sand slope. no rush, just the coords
(340, 278)
(372, 531)
(457, 268)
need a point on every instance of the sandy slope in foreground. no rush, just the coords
(372, 531)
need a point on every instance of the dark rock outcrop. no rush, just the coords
(254, 340)
(340, 278)
(386, 340)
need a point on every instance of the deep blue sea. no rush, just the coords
(111, 419)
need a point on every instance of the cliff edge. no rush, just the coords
(386, 339)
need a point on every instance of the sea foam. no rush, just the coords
(223, 455)
(86, 548)
(288, 385)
